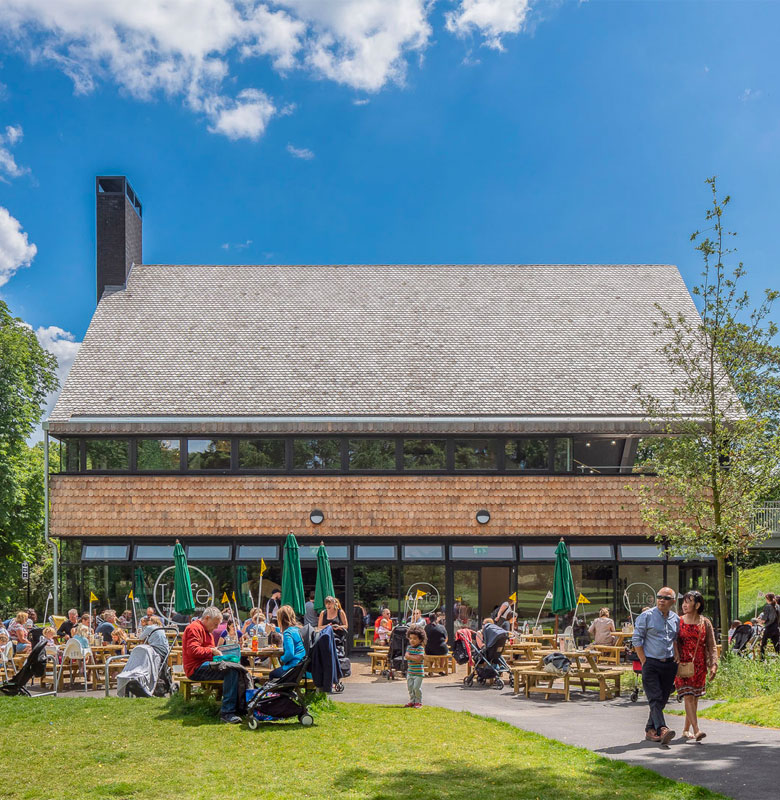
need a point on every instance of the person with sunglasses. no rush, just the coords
(655, 642)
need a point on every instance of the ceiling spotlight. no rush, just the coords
(613, 441)
(587, 444)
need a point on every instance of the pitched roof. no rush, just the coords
(501, 341)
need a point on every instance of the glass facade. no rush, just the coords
(464, 581)
(70, 455)
(424, 454)
(521, 454)
(158, 455)
(205, 454)
(371, 454)
(261, 454)
(476, 454)
(313, 454)
(108, 454)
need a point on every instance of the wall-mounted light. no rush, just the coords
(613, 441)
(587, 444)
(316, 516)
(483, 516)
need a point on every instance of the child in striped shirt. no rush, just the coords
(414, 670)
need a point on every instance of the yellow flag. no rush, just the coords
(130, 596)
(93, 598)
(582, 599)
(234, 596)
(421, 593)
(263, 567)
(224, 597)
(513, 597)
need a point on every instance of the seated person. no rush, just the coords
(383, 632)
(153, 634)
(198, 651)
(125, 620)
(333, 614)
(436, 636)
(416, 618)
(119, 636)
(17, 632)
(64, 631)
(4, 640)
(229, 635)
(508, 621)
(294, 651)
(384, 615)
(107, 627)
(602, 628)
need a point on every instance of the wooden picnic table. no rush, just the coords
(608, 653)
(101, 652)
(584, 669)
(621, 636)
(540, 638)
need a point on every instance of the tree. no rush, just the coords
(718, 457)
(27, 375)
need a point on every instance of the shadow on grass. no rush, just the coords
(440, 780)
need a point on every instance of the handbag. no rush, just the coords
(685, 669)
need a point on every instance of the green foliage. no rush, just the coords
(719, 458)
(100, 748)
(761, 579)
(371, 454)
(27, 375)
(740, 677)
(764, 711)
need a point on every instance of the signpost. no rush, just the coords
(26, 577)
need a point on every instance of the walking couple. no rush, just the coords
(675, 651)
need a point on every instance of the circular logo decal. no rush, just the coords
(202, 592)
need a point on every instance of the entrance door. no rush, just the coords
(478, 590)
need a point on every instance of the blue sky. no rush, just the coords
(369, 131)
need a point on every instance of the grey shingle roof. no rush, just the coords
(506, 340)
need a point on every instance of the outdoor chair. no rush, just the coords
(74, 653)
(7, 657)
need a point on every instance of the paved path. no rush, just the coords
(737, 760)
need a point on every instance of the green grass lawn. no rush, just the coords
(159, 749)
(764, 579)
(763, 711)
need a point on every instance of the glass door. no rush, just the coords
(465, 609)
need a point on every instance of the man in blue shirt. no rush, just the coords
(655, 642)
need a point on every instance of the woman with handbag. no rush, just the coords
(698, 660)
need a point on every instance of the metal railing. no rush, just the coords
(768, 516)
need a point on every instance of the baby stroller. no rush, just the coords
(33, 667)
(340, 642)
(147, 673)
(488, 660)
(396, 662)
(279, 698)
(744, 639)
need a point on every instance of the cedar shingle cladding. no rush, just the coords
(260, 506)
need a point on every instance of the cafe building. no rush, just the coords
(436, 426)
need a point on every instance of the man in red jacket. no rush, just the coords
(198, 651)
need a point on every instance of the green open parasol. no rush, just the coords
(324, 587)
(183, 601)
(292, 581)
(242, 579)
(564, 597)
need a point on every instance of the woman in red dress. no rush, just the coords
(696, 643)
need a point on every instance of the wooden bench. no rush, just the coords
(96, 673)
(532, 677)
(445, 664)
(609, 654)
(378, 660)
(207, 687)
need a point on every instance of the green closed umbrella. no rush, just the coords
(245, 599)
(324, 587)
(292, 581)
(183, 601)
(564, 597)
(139, 588)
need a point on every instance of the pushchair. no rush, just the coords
(744, 639)
(147, 672)
(488, 660)
(396, 661)
(280, 698)
(33, 667)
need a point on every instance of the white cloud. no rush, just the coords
(246, 117)
(750, 94)
(492, 19)
(8, 167)
(64, 347)
(185, 49)
(300, 152)
(239, 246)
(15, 250)
(361, 101)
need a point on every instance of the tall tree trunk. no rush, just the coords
(723, 605)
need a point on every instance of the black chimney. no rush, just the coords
(119, 230)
